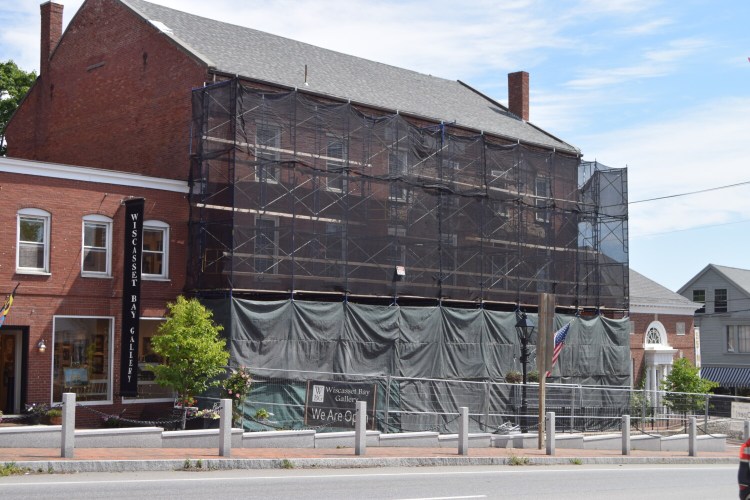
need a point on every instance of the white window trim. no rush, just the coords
(47, 218)
(403, 168)
(99, 219)
(129, 400)
(541, 200)
(275, 149)
(110, 386)
(336, 163)
(275, 255)
(164, 227)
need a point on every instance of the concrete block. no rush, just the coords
(715, 442)
(569, 441)
(646, 442)
(279, 439)
(201, 438)
(31, 436)
(344, 439)
(476, 440)
(678, 442)
(603, 442)
(125, 437)
(425, 439)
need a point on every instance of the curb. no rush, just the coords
(72, 466)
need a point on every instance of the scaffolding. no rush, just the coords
(293, 193)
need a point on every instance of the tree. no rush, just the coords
(14, 84)
(195, 354)
(686, 389)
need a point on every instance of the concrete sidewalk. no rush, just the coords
(141, 459)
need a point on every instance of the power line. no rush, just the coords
(691, 192)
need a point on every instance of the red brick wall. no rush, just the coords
(117, 96)
(64, 291)
(683, 343)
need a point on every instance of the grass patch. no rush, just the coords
(287, 464)
(514, 460)
(11, 469)
(576, 461)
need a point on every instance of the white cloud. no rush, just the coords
(703, 147)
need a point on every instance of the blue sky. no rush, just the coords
(660, 87)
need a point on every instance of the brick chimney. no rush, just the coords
(518, 94)
(52, 23)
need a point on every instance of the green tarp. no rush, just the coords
(416, 342)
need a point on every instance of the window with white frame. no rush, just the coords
(267, 152)
(148, 329)
(542, 201)
(397, 170)
(96, 255)
(155, 258)
(265, 245)
(397, 248)
(738, 338)
(680, 327)
(335, 153)
(32, 255)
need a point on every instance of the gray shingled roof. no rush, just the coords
(644, 291)
(740, 277)
(257, 55)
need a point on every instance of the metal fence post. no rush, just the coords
(692, 435)
(68, 431)
(705, 415)
(387, 401)
(486, 405)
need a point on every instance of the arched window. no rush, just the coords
(653, 336)
(656, 334)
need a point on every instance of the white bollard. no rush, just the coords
(68, 433)
(225, 428)
(626, 434)
(550, 432)
(463, 430)
(360, 429)
(692, 435)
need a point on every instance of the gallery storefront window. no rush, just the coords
(82, 358)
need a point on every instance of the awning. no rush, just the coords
(727, 376)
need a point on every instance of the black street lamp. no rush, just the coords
(525, 328)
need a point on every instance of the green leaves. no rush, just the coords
(190, 342)
(14, 84)
(685, 387)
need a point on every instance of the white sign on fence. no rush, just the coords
(740, 411)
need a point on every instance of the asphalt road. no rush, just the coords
(518, 483)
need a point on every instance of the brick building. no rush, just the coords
(312, 174)
(64, 248)
(662, 328)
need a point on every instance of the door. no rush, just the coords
(10, 371)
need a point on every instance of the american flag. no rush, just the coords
(559, 344)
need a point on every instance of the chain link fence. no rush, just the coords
(277, 401)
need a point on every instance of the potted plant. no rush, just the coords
(209, 418)
(513, 377)
(35, 412)
(54, 416)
